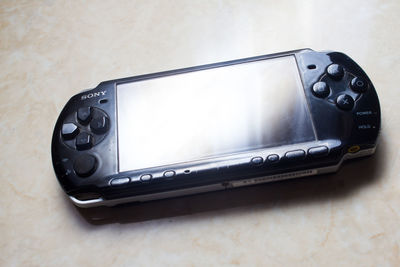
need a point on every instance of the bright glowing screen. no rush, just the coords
(202, 114)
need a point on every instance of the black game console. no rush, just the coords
(214, 127)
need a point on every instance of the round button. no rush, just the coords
(359, 85)
(321, 89)
(335, 71)
(146, 177)
(345, 102)
(257, 160)
(169, 174)
(85, 165)
(273, 158)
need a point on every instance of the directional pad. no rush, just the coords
(85, 127)
(99, 124)
(84, 115)
(84, 141)
(69, 131)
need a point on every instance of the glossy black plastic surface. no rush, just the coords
(336, 128)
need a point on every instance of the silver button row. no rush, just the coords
(143, 178)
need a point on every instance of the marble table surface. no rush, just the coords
(50, 50)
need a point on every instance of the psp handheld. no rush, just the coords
(215, 126)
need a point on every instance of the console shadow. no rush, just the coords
(352, 175)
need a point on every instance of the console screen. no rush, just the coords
(214, 112)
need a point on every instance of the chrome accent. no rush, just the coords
(141, 198)
(220, 186)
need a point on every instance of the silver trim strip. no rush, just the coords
(215, 187)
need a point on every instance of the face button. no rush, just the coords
(345, 102)
(99, 125)
(273, 158)
(120, 181)
(359, 85)
(318, 151)
(321, 89)
(84, 115)
(85, 165)
(295, 155)
(146, 177)
(169, 174)
(84, 141)
(335, 71)
(257, 160)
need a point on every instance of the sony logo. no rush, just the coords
(95, 94)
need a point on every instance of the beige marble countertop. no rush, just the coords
(50, 50)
